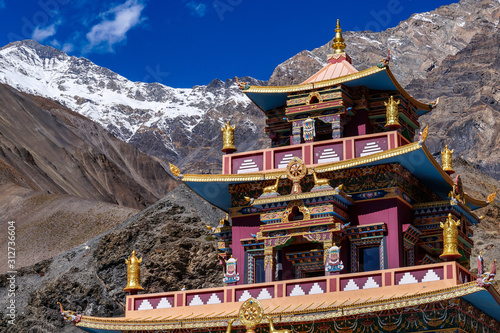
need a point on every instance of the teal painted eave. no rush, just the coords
(376, 81)
(484, 301)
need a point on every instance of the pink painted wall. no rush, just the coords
(392, 212)
(243, 227)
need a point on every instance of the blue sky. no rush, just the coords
(182, 43)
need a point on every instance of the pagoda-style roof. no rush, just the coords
(338, 65)
(378, 77)
(414, 157)
(305, 300)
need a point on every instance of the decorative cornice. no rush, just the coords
(308, 314)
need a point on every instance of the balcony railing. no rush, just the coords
(313, 153)
(449, 273)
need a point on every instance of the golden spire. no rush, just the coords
(338, 42)
(133, 274)
(228, 138)
(392, 113)
(446, 160)
(450, 239)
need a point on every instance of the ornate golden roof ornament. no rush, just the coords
(228, 138)
(295, 171)
(174, 170)
(230, 325)
(423, 134)
(450, 239)
(446, 160)
(491, 197)
(392, 113)
(133, 274)
(338, 42)
(250, 314)
(272, 329)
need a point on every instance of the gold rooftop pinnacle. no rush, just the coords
(338, 42)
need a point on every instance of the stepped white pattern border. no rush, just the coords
(164, 303)
(196, 301)
(145, 305)
(409, 278)
(284, 161)
(370, 148)
(264, 294)
(248, 165)
(328, 155)
(370, 283)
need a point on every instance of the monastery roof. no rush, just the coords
(414, 157)
(377, 77)
(338, 65)
(333, 304)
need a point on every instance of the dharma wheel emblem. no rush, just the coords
(251, 313)
(295, 171)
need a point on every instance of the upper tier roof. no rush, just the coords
(338, 65)
(415, 157)
(378, 77)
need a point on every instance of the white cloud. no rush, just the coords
(197, 9)
(115, 25)
(39, 34)
(67, 47)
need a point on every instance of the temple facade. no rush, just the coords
(346, 223)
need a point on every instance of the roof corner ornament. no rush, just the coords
(242, 85)
(338, 42)
(446, 160)
(69, 315)
(434, 104)
(423, 134)
(485, 278)
(450, 239)
(174, 170)
(133, 274)
(385, 62)
(392, 113)
(457, 194)
(491, 197)
(228, 138)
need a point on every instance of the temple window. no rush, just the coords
(260, 274)
(314, 100)
(368, 258)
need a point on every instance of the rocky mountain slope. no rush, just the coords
(171, 238)
(172, 124)
(451, 53)
(65, 179)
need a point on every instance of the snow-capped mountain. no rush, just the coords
(156, 118)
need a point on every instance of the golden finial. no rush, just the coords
(228, 138)
(446, 155)
(338, 42)
(133, 274)
(450, 239)
(491, 197)
(424, 134)
(175, 170)
(392, 113)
